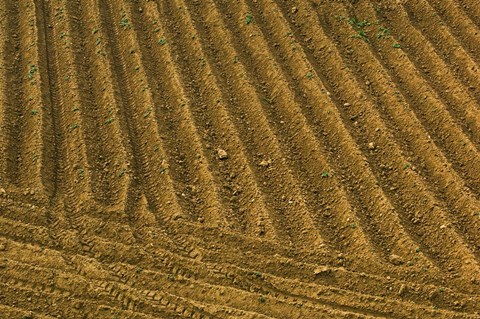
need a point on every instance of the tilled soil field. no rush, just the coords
(239, 159)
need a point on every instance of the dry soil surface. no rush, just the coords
(239, 159)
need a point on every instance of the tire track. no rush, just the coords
(23, 148)
(103, 139)
(155, 283)
(143, 137)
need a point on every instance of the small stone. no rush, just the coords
(265, 163)
(294, 10)
(372, 146)
(3, 246)
(2, 191)
(395, 259)
(443, 226)
(324, 270)
(346, 104)
(222, 154)
(140, 10)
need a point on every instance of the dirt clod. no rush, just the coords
(395, 259)
(222, 154)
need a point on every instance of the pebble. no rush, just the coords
(395, 259)
(372, 146)
(294, 9)
(222, 154)
(324, 270)
(2, 191)
(346, 104)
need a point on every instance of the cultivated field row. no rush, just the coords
(170, 159)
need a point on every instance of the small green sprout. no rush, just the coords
(248, 18)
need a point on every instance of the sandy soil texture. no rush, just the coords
(239, 159)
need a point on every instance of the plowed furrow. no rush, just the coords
(67, 124)
(440, 73)
(458, 60)
(23, 110)
(471, 9)
(96, 106)
(466, 32)
(323, 197)
(422, 154)
(468, 202)
(205, 88)
(421, 188)
(5, 57)
(133, 96)
(337, 145)
(458, 199)
(365, 134)
(186, 157)
(18, 312)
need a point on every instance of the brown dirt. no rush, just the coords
(239, 159)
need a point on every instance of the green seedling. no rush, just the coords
(248, 18)
(262, 299)
(122, 172)
(396, 45)
(147, 112)
(73, 126)
(310, 75)
(109, 120)
(325, 174)
(124, 23)
(34, 112)
(268, 100)
(383, 33)
(162, 41)
(32, 71)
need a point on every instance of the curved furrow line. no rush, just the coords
(5, 63)
(310, 296)
(243, 278)
(64, 91)
(471, 9)
(410, 135)
(466, 32)
(253, 116)
(236, 177)
(446, 47)
(211, 109)
(320, 187)
(393, 179)
(23, 110)
(457, 97)
(187, 162)
(134, 95)
(103, 138)
(462, 204)
(420, 103)
(374, 208)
